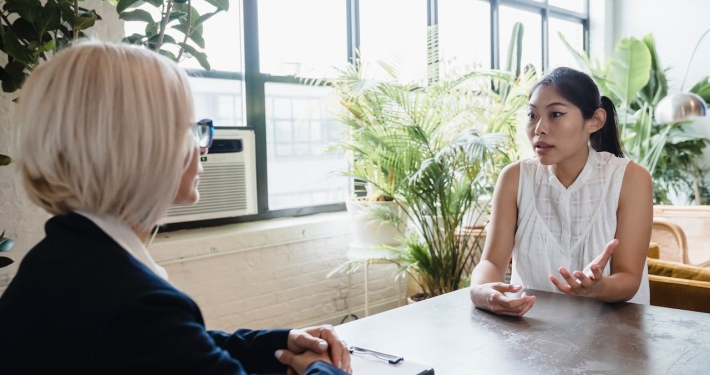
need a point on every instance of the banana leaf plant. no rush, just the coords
(635, 80)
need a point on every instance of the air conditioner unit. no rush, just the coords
(227, 183)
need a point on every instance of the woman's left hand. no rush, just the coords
(320, 339)
(585, 283)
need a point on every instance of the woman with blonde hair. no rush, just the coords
(107, 142)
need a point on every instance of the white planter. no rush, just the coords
(367, 230)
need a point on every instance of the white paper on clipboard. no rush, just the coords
(369, 365)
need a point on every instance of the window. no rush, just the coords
(573, 33)
(532, 34)
(579, 6)
(464, 34)
(395, 31)
(299, 126)
(292, 34)
(261, 50)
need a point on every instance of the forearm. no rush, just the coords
(619, 287)
(254, 348)
(486, 272)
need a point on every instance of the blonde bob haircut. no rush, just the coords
(107, 129)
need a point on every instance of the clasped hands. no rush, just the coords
(312, 344)
(491, 296)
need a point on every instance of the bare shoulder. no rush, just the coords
(637, 184)
(511, 173)
(509, 178)
(636, 176)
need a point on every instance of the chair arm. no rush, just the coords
(680, 293)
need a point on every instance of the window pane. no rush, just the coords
(465, 33)
(574, 34)
(532, 35)
(305, 38)
(222, 35)
(219, 100)
(573, 5)
(395, 31)
(300, 125)
(223, 29)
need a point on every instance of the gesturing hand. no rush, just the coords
(587, 282)
(320, 339)
(491, 297)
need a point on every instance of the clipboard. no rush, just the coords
(370, 362)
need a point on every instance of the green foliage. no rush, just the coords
(174, 28)
(634, 79)
(434, 147)
(32, 29)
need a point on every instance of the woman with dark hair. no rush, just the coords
(577, 218)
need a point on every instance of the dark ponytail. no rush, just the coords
(607, 138)
(581, 91)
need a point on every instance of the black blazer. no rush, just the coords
(81, 304)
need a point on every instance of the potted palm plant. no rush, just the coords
(434, 149)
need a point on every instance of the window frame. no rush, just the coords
(254, 100)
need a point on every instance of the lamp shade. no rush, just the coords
(680, 107)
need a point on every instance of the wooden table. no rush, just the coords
(559, 335)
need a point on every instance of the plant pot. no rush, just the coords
(367, 230)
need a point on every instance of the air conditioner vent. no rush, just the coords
(227, 183)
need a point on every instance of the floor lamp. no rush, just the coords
(683, 106)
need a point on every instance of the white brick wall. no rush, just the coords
(273, 274)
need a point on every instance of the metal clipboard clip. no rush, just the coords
(391, 359)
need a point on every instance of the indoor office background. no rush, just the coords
(259, 80)
(270, 269)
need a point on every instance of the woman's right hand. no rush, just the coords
(491, 297)
(300, 362)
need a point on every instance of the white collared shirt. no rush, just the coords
(567, 227)
(127, 239)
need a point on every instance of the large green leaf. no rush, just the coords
(31, 10)
(24, 29)
(204, 18)
(17, 50)
(46, 47)
(200, 56)
(220, 4)
(629, 70)
(50, 18)
(124, 4)
(136, 15)
(657, 87)
(702, 88)
(581, 58)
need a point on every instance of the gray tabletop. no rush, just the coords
(559, 335)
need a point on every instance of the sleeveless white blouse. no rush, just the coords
(567, 227)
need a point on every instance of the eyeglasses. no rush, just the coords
(204, 132)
